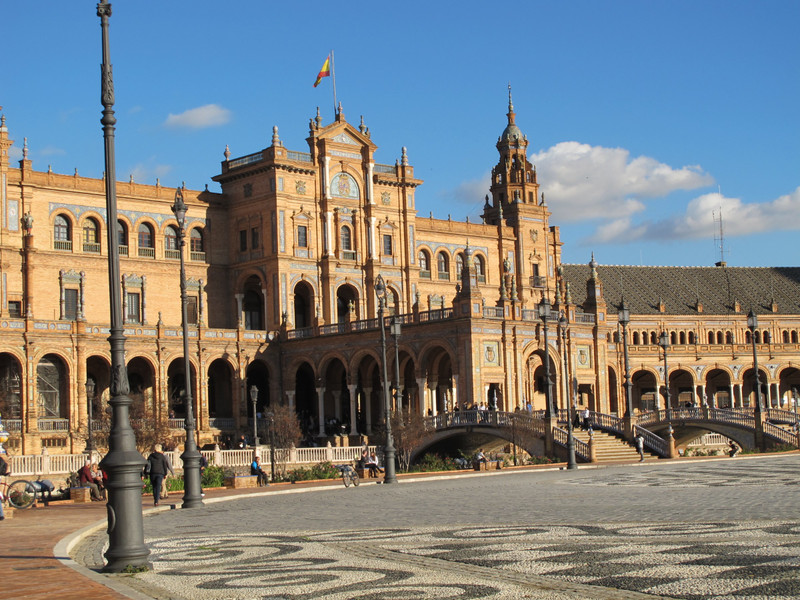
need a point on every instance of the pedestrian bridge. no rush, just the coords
(662, 430)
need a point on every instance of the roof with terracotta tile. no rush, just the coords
(680, 288)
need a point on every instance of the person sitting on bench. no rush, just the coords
(255, 469)
(372, 465)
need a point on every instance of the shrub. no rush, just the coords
(434, 462)
(213, 477)
(323, 470)
(540, 460)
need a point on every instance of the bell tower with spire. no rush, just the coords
(516, 202)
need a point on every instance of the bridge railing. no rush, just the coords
(648, 418)
(781, 416)
(608, 422)
(487, 418)
(734, 417)
(582, 450)
(787, 437)
(652, 441)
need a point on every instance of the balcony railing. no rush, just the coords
(197, 256)
(62, 245)
(147, 252)
(91, 247)
(424, 274)
(445, 275)
(53, 424)
(123, 250)
(538, 281)
(172, 254)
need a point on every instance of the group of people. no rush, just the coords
(91, 476)
(157, 467)
(369, 461)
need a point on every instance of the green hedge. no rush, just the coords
(212, 477)
(323, 470)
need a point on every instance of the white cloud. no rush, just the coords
(147, 173)
(701, 219)
(52, 151)
(210, 115)
(582, 182)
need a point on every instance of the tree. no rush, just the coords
(148, 428)
(409, 433)
(285, 433)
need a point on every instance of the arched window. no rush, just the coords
(62, 238)
(443, 264)
(196, 245)
(171, 241)
(636, 338)
(122, 238)
(710, 337)
(767, 337)
(785, 337)
(480, 268)
(146, 241)
(424, 264)
(91, 236)
(794, 337)
(719, 337)
(346, 238)
(728, 337)
(673, 338)
(459, 264)
(682, 338)
(757, 334)
(747, 337)
(691, 337)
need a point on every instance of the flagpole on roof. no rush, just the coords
(333, 78)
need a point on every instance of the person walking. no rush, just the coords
(639, 440)
(157, 468)
(5, 471)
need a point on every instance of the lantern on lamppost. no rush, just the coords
(544, 310)
(624, 317)
(254, 400)
(388, 451)
(663, 341)
(572, 463)
(752, 325)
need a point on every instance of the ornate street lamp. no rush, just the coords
(624, 317)
(663, 341)
(388, 451)
(544, 315)
(90, 387)
(123, 463)
(752, 325)
(192, 491)
(271, 421)
(394, 329)
(571, 462)
(254, 400)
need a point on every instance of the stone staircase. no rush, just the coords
(610, 448)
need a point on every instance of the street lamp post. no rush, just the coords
(624, 318)
(544, 315)
(271, 419)
(192, 491)
(90, 386)
(394, 329)
(123, 463)
(752, 325)
(572, 463)
(388, 451)
(663, 341)
(254, 400)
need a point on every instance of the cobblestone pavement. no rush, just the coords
(712, 529)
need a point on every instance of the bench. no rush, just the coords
(80, 494)
(364, 473)
(490, 465)
(238, 482)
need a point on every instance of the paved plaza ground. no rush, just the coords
(701, 529)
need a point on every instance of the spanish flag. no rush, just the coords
(325, 71)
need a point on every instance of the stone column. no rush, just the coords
(432, 385)
(337, 404)
(352, 389)
(740, 401)
(321, 410)
(290, 396)
(239, 308)
(730, 392)
(421, 397)
(368, 409)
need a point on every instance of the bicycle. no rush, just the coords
(349, 475)
(20, 494)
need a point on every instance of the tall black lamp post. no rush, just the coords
(123, 463)
(254, 400)
(388, 451)
(752, 325)
(271, 421)
(394, 329)
(572, 463)
(544, 315)
(90, 386)
(624, 318)
(663, 341)
(192, 493)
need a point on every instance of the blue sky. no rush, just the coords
(645, 119)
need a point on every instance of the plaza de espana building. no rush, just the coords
(281, 267)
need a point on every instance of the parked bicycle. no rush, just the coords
(20, 494)
(349, 475)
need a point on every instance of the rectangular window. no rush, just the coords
(280, 184)
(387, 245)
(70, 304)
(243, 240)
(15, 309)
(191, 310)
(132, 307)
(302, 236)
(254, 239)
